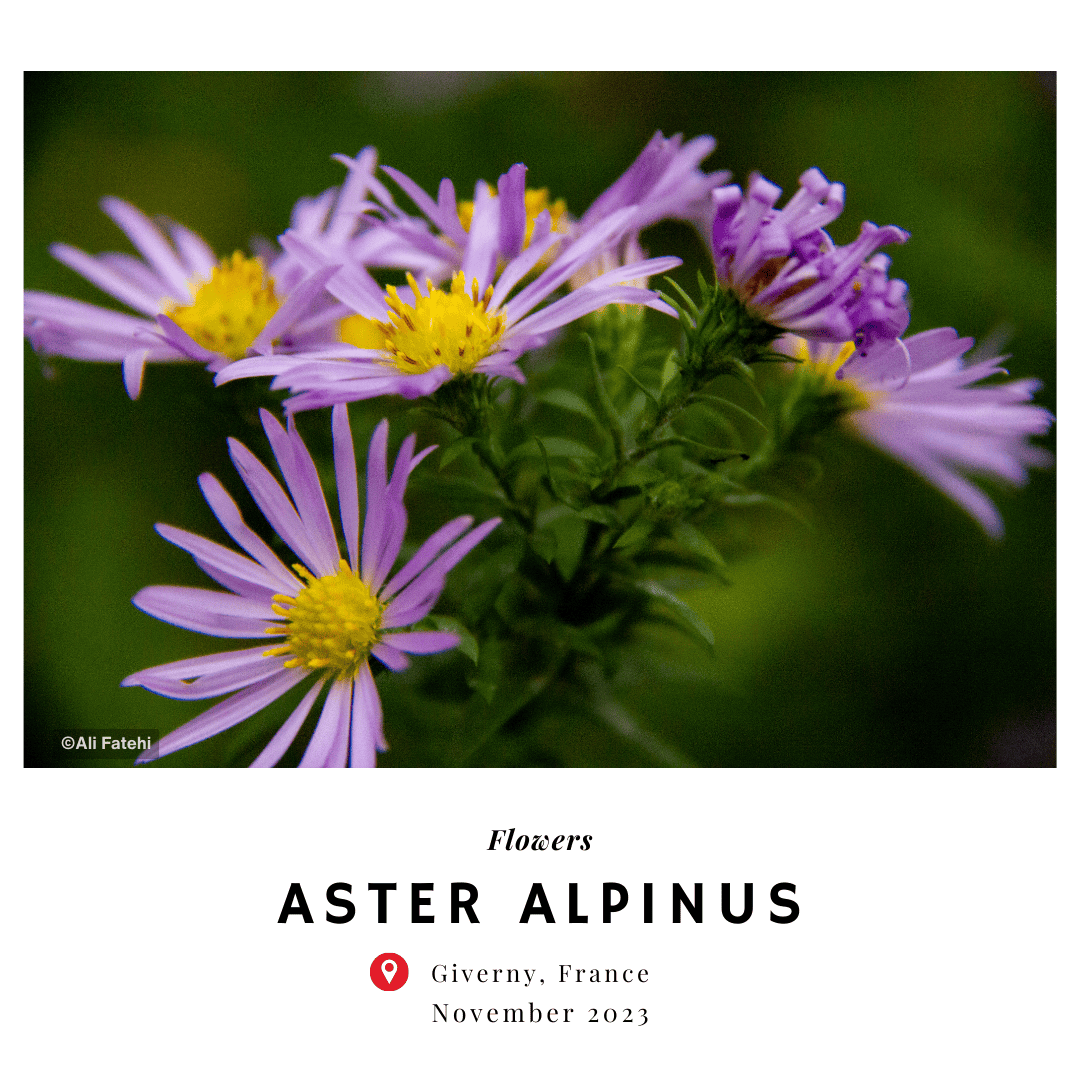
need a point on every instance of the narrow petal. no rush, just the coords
(429, 549)
(393, 658)
(226, 713)
(197, 666)
(223, 682)
(296, 305)
(367, 726)
(108, 280)
(306, 490)
(228, 514)
(512, 217)
(332, 730)
(436, 571)
(219, 556)
(276, 747)
(422, 642)
(374, 517)
(151, 242)
(134, 365)
(482, 247)
(348, 492)
(208, 612)
(273, 502)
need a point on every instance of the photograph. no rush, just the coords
(540, 420)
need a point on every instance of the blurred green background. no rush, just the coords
(890, 633)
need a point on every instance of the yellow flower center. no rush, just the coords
(536, 201)
(827, 369)
(452, 328)
(332, 623)
(229, 311)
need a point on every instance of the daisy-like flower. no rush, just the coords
(664, 182)
(192, 307)
(348, 224)
(411, 341)
(330, 614)
(786, 269)
(916, 399)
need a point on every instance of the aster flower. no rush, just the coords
(332, 613)
(786, 269)
(664, 182)
(191, 306)
(348, 224)
(915, 399)
(411, 341)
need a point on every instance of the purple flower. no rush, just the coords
(664, 182)
(347, 224)
(191, 306)
(915, 399)
(331, 613)
(786, 269)
(411, 341)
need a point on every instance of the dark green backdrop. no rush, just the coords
(892, 633)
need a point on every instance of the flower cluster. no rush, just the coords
(483, 282)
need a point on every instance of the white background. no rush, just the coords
(936, 936)
(935, 920)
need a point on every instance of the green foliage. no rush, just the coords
(915, 648)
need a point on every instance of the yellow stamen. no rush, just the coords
(332, 623)
(827, 367)
(445, 327)
(229, 311)
(537, 200)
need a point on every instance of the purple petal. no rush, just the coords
(276, 747)
(296, 305)
(512, 216)
(228, 513)
(197, 666)
(436, 572)
(375, 514)
(393, 658)
(226, 713)
(367, 727)
(109, 280)
(328, 744)
(348, 492)
(302, 479)
(220, 557)
(151, 242)
(134, 364)
(427, 552)
(223, 682)
(196, 253)
(482, 247)
(209, 612)
(273, 502)
(423, 642)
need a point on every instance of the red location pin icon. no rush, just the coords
(389, 971)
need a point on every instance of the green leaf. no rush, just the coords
(455, 450)
(637, 533)
(603, 515)
(687, 616)
(567, 399)
(756, 498)
(669, 371)
(544, 543)
(697, 543)
(571, 532)
(640, 385)
(723, 402)
(468, 644)
(552, 446)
